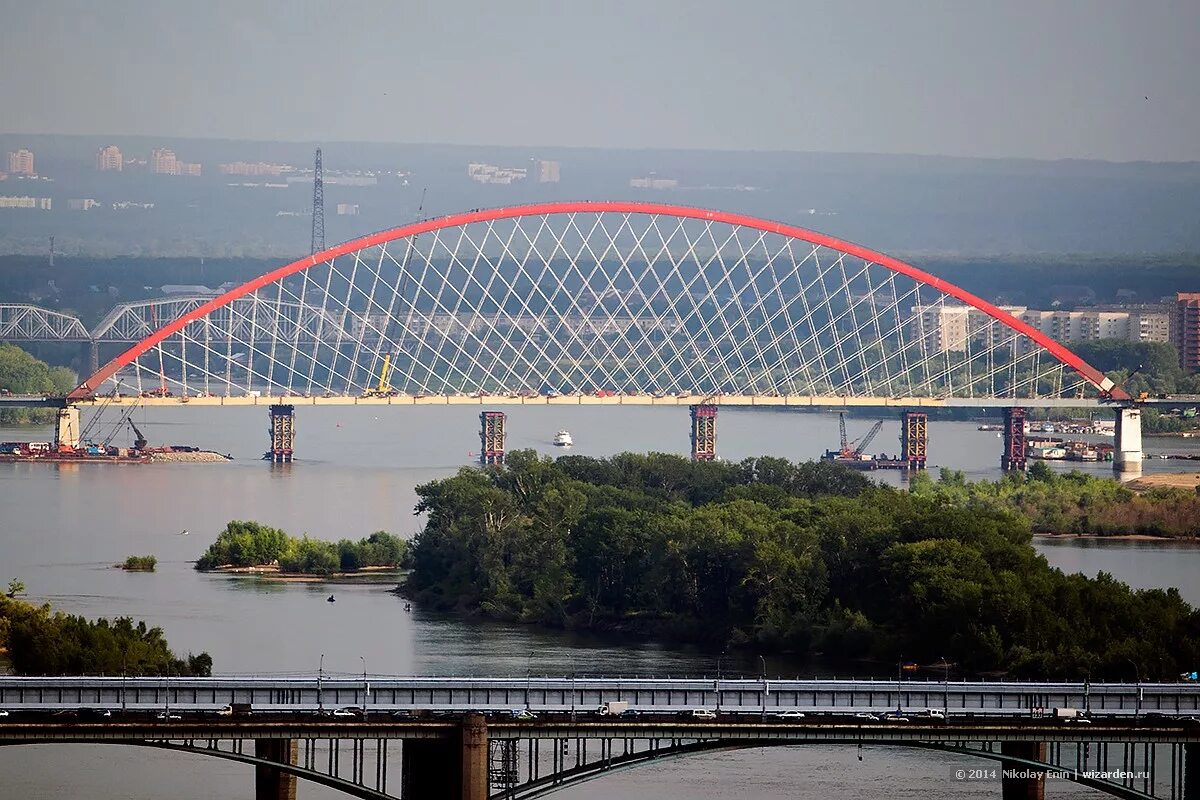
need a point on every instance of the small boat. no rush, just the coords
(330, 599)
(563, 439)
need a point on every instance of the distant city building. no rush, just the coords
(39, 203)
(547, 171)
(651, 182)
(109, 159)
(490, 173)
(20, 162)
(1185, 329)
(164, 162)
(347, 209)
(952, 328)
(125, 205)
(82, 204)
(255, 168)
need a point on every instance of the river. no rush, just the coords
(62, 527)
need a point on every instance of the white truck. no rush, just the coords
(613, 708)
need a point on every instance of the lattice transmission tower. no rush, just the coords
(318, 207)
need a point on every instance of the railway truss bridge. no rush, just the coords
(381, 738)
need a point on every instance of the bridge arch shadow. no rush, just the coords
(584, 773)
(547, 785)
(340, 784)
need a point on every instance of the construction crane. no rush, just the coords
(383, 389)
(853, 451)
(139, 442)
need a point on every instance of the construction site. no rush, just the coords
(854, 453)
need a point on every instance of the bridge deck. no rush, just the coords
(797, 401)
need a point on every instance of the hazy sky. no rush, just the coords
(1037, 78)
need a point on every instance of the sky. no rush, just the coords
(1104, 79)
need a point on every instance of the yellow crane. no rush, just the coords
(383, 389)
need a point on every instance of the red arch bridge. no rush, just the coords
(605, 302)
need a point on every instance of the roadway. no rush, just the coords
(796, 401)
(557, 695)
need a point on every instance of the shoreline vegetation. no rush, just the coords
(810, 559)
(252, 548)
(1073, 502)
(37, 640)
(139, 564)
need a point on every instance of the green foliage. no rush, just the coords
(140, 563)
(1073, 502)
(42, 642)
(808, 558)
(250, 544)
(21, 373)
(1156, 364)
(15, 587)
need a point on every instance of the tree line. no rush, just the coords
(808, 558)
(251, 544)
(41, 641)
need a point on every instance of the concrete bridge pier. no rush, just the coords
(273, 784)
(475, 784)
(66, 428)
(1029, 784)
(449, 769)
(1127, 442)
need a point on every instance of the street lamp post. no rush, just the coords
(763, 662)
(366, 686)
(945, 687)
(899, 679)
(320, 693)
(572, 688)
(528, 678)
(1137, 676)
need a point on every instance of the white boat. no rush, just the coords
(563, 439)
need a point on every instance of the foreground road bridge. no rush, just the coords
(524, 737)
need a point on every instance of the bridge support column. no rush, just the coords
(273, 784)
(491, 437)
(1028, 784)
(431, 768)
(1013, 456)
(1127, 442)
(475, 785)
(283, 434)
(704, 432)
(914, 435)
(93, 357)
(66, 428)
(1191, 771)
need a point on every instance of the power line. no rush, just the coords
(318, 207)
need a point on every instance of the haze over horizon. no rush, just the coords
(1025, 80)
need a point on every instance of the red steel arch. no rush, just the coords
(1090, 374)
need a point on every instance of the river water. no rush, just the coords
(62, 527)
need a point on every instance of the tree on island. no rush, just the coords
(251, 544)
(15, 587)
(811, 559)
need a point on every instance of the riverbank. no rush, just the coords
(273, 572)
(1115, 537)
(1174, 480)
